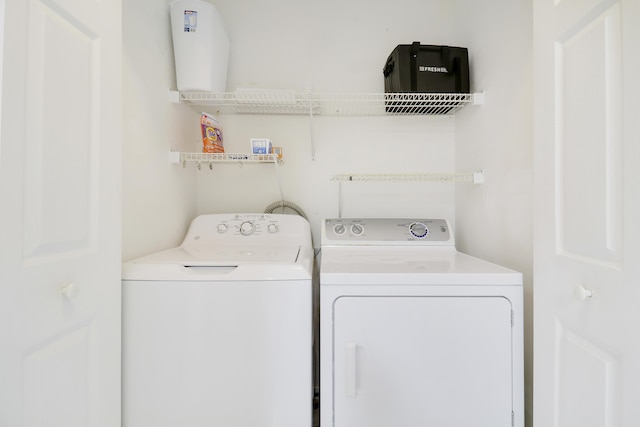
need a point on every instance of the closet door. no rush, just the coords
(60, 177)
(587, 206)
(422, 361)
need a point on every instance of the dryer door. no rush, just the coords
(422, 361)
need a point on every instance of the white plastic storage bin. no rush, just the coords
(200, 45)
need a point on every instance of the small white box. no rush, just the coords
(261, 146)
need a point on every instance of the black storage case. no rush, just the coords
(427, 69)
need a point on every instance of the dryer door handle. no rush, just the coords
(351, 369)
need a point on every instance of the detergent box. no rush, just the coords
(211, 134)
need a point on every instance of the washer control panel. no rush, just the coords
(386, 231)
(247, 227)
(248, 224)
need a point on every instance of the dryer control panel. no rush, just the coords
(387, 231)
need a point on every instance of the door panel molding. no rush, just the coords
(583, 364)
(61, 150)
(62, 363)
(588, 151)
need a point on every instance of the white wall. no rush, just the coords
(494, 220)
(355, 145)
(325, 46)
(330, 46)
(159, 199)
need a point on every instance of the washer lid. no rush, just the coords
(377, 265)
(224, 255)
(232, 263)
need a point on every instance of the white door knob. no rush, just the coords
(69, 290)
(583, 293)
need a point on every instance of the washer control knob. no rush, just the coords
(222, 228)
(357, 229)
(247, 228)
(418, 230)
(273, 228)
(339, 229)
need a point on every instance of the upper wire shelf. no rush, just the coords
(287, 102)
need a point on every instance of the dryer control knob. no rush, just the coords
(222, 228)
(273, 228)
(247, 228)
(418, 230)
(357, 229)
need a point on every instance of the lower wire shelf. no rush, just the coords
(210, 158)
(199, 158)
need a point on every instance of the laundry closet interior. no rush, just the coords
(338, 49)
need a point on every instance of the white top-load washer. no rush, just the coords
(414, 333)
(218, 331)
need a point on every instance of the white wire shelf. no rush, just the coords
(285, 102)
(475, 177)
(210, 158)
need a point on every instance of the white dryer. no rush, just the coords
(415, 333)
(218, 331)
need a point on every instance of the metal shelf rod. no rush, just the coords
(475, 177)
